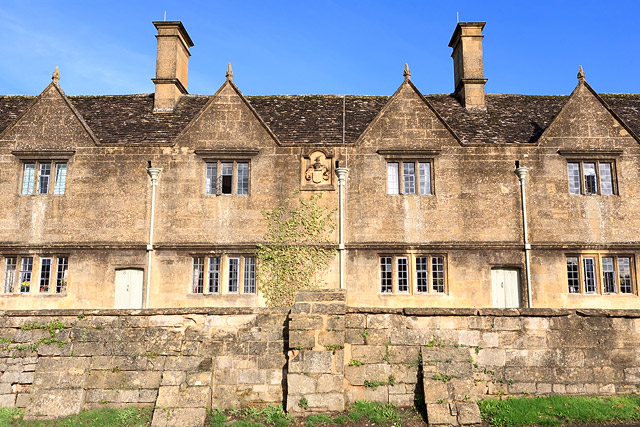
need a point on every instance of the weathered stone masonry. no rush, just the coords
(319, 356)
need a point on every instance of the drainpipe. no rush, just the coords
(522, 172)
(342, 178)
(153, 174)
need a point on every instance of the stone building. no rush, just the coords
(156, 200)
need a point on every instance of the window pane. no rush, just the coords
(233, 274)
(61, 275)
(437, 272)
(409, 176)
(608, 276)
(425, 178)
(212, 176)
(26, 266)
(9, 275)
(422, 275)
(61, 178)
(589, 275)
(28, 177)
(243, 178)
(386, 280)
(573, 275)
(393, 186)
(624, 264)
(198, 275)
(45, 274)
(574, 178)
(227, 176)
(43, 178)
(403, 274)
(249, 275)
(214, 275)
(590, 182)
(606, 179)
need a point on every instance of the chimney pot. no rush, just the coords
(466, 43)
(172, 64)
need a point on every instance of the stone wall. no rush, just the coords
(320, 356)
(181, 361)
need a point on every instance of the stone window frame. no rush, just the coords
(599, 271)
(413, 288)
(400, 157)
(224, 156)
(582, 157)
(38, 159)
(13, 273)
(222, 274)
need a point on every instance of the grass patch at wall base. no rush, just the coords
(559, 410)
(128, 417)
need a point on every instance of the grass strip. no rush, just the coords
(559, 410)
(128, 417)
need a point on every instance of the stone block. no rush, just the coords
(333, 338)
(522, 388)
(354, 336)
(148, 396)
(377, 372)
(184, 397)
(7, 400)
(423, 323)
(22, 400)
(199, 378)
(173, 377)
(359, 321)
(305, 322)
(354, 374)
(5, 388)
(59, 364)
(49, 404)
(559, 388)
(468, 413)
(271, 361)
(463, 389)
(274, 376)
(329, 308)
(543, 388)
(252, 376)
(167, 321)
(402, 400)
(377, 394)
(183, 417)
(489, 339)
(469, 338)
(328, 383)
(383, 321)
(336, 323)
(439, 414)
(226, 376)
(435, 390)
(302, 339)
(188, 363)
(507, 323)
(491, 357)
(368, 353)
(301, 384)
(311, 362)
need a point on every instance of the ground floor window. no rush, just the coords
(236, 273)
(600, 274)
(48, 272)
(415, 274)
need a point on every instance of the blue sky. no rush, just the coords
(319, 47)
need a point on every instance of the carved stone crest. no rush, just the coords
(317, 171)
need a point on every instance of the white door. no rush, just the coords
(128, 288)
(505, 288)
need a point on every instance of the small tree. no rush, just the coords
(297, 247)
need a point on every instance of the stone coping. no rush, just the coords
(419, 312)
(508, 312)
(221, 311)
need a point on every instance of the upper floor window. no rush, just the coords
(44, 177)
(606, 274)
(227, 177)
(409, 274)
(409, 177)
(592, 177)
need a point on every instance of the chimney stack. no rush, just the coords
(467, 64)
(172, 64)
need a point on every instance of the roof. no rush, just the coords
(318, 119)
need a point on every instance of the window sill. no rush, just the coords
(219, 295)
(34, 294)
